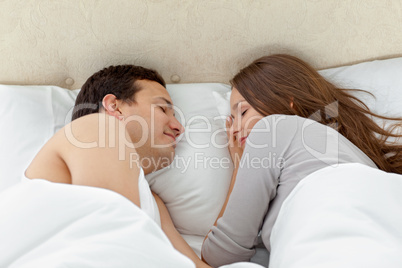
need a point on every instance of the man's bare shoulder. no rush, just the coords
(80, 134)
(87, 125)
(88, 131)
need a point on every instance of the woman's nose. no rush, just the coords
(236, 127)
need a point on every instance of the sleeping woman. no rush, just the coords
(287, 122)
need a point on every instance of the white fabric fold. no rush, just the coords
(344, 216)
(44, 224)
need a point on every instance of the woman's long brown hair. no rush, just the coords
(271, 83)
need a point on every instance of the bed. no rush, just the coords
(49, 48)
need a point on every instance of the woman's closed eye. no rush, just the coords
(244, 112)
(162, 108)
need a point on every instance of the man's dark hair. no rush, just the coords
(117, 80)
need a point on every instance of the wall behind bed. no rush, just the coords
(62, 42)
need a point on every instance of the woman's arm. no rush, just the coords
(174, 236)
(236, 152)
(232, 183)
(235, 233)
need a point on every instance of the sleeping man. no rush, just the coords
(123, 117)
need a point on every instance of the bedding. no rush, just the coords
(382, 78)
(194, 186)
(193, 192)
(343, 216)
(30, 115)
(45, 224)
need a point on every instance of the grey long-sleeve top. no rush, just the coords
(280, 151)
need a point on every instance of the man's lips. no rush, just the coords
(170, 135)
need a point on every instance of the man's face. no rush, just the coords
(152, 125)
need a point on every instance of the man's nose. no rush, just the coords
(176, 127)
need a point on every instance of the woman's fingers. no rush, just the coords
(234, 149)
(229, 122)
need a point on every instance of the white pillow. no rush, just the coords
(29, 116)
(195, 185)
(381, 77)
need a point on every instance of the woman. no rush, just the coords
(287, 122)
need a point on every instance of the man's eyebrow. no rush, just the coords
(169, 103)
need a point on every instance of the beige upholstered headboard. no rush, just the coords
(62, 42)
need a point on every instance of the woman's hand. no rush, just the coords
(234, 147)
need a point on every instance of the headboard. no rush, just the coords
(61, 42)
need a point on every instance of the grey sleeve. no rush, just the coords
(234, 237)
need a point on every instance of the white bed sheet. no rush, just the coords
(45, 224)
(345, 216)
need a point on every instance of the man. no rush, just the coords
(121, 113)
(138, 96)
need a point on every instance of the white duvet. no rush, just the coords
(44, 224)
(348, 216)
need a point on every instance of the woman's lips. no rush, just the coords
(243, 140)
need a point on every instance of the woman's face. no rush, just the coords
(244, 117)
